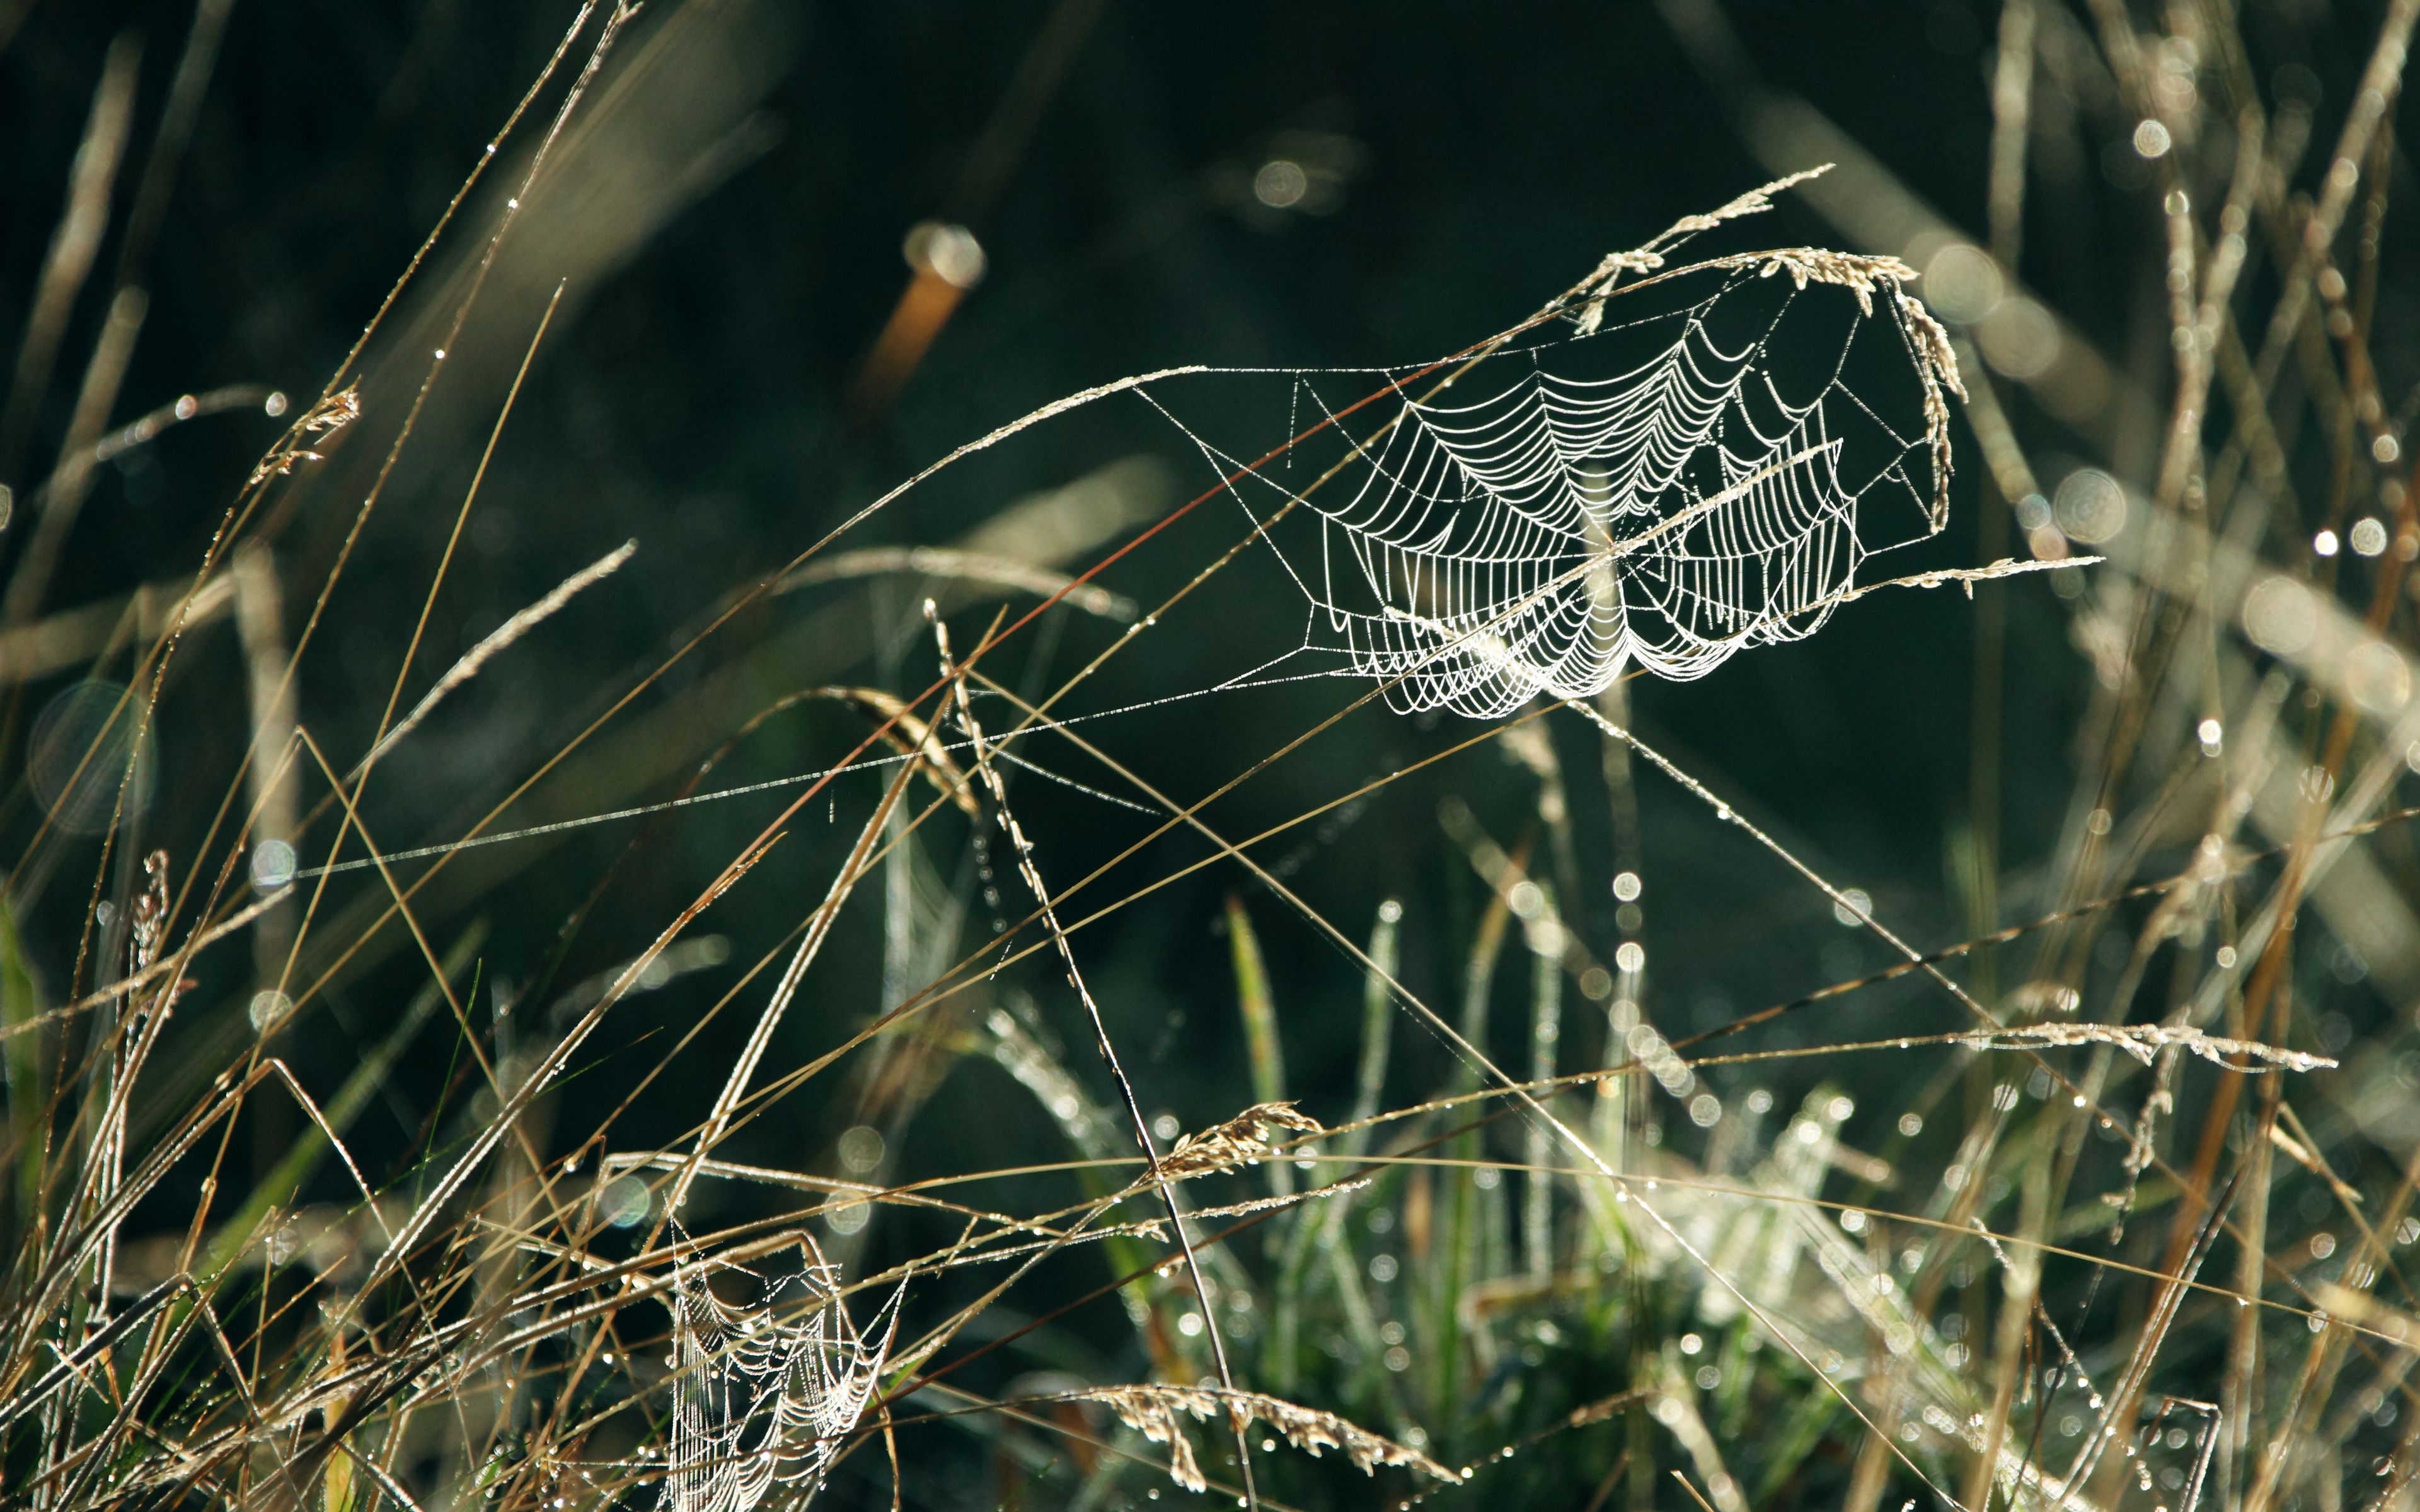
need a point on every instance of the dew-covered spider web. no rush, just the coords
(1657, 487)
(761, 1403)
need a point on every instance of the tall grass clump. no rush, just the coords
(1307, 935)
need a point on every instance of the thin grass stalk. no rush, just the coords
(1545, 1034)
(1258, 1008)
(1032, 876)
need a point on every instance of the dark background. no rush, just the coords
(697, 401)
(693, 394)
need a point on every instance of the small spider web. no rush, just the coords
(759, 1404)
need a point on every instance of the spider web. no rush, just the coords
(758, 1403)
(1539, 513)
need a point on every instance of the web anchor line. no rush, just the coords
(1575, 499)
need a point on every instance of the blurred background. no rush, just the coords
(705, 391)
(796, 253)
